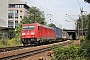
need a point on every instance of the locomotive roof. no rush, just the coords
(30, 24)
(47, 26)
(39, 25)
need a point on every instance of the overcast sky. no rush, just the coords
(58, 10)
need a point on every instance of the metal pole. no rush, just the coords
(78, 30)
(82, 20)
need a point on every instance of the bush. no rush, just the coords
(9, 43)
(14, 42)
(4, 43)
(11, 34)
(73, 52)
(86, 46)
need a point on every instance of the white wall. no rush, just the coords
(3, 13)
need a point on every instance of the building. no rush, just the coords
(16, 11)
(4, 32)
(4, 18)
(3, 13)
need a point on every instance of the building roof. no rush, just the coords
(6, 28)
(16, 2)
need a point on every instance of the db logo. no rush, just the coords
(27, 33)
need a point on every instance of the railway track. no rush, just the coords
(12, 48)
(16, 54)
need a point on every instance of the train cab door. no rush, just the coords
(40, 32)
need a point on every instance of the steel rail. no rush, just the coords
(12, 48)
(29, 53)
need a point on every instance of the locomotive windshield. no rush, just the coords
(28, 27)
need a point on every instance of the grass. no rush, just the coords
(9, 42)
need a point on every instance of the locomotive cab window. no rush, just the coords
(38, 27)
(28, 27)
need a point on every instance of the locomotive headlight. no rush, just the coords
(33, 36)
(23, 33)
(32, 33)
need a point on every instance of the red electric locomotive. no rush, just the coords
(36, 33)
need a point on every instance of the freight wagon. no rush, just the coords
(57, 33)
(65, 35)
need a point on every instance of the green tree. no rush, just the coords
(18, 28)
(51, 25)
(64, 28)
(87, 1)
(88, 35)
(35, 15)
(11, 34)
(85, 22)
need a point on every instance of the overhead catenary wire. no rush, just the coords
(46, 9)
(56, 6)
(79, 4)
(61, 9)
(50, 11)
(69, 15)
(81, 8)
(41, 8)
(38, 6)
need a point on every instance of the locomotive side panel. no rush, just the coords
(35, 33)
(46, 34)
